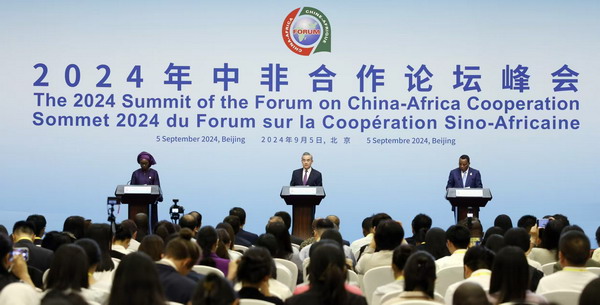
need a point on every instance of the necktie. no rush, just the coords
(464, 179)
(305, 177)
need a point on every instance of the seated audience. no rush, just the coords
(477, 269)
(23, 235)
(518, 237)
(241, 214)
(12, 268)
(98, 290)
(207, 240)
(233, 254)
(367, 233)
(458, 238)
(54, 239)
(74, 226)
(254, 271)
(120, 242)
(214, 290)
(235, 223)
(596, 254)
(287, 220)
(336, 223)
(181, 254)
(359, 246)
(591, 293)
(321, 224)
(284, 244)
(141, 222)
(469, 294)
(137, 282)
(39, 224)
(399, 258)
(495, 243)
(100, 232)
(153, 246)
(420, 225)
(130, 226)
(547, 252)
(419, 279)
(223, 244)
(504, 222)
(574, 250)
(435, 243)
(388, 235)
(510, 278)
(327, 276)
(526, 222)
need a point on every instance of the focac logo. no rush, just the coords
(306, 30)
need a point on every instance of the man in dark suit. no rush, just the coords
(241, 214)
(464, 176)
(306, 175)
(23, 235)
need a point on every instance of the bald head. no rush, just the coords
(335, 220)
(188, 221)
(470, 293)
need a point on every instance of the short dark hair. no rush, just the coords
(24, 227)
(575, 247)
(591, 293)
(324, 223)
(333, 234)
(182, 247)
(401, 255)
(153, 245)
(122, 233)
(388, 235)
(54, 239)
(39, 222)
(367, 223)
(421, 221)
(255, 264)
(285, 216)
(526, 222)
(239, 212)
(465, 157)
(234, 221)
(598, 235)
(479, 257)
(517, 237)
(75, 225)
(460, 236)
(198, 217)
(379, 217)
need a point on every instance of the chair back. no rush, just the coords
(240, 248)
(548, 268)
(562, 296)
(254, 302)
(386, 297)
(291, 266)
(202, 269)
(376, 277)
(352, 278)
(284, 275)
(448, 276)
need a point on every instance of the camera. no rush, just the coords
(176, 211)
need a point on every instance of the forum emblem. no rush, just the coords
(306, 30)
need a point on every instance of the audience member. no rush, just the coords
(591, 293)
(23, 235)
(284, 244)
(359, 245)
(233, 255)
(491, 231)
(504, 222)
(141, 222)
(388, 235)
(596, 254)
(153, 246)
(235, 223)
(287, 220)
(120, 242)
(39, 225)
(526, 222)
(207, 240)
(510, 278)
(420, 225)
(458, 238)
(181, 254)
(518, 237)
(435, 243)
(223, 244)
(214, 290)
(419, 279)
(165, 229)
(130, 226)
(321, 225)
(574, 250)
(478, 263)
(100, 232)
(495, 242)
(137, 282)
(241, 214)
(254, 271)
(547, 252)
(469, 293)
(189, 221)
(198, 217)
(55, 297)
(98, 290)
(475, 230)
(336, 223)
(327, 276)
(74, 226)
(54, 239)
(12, 268)
(399, 258)
(336, 236)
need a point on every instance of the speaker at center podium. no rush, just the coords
(138, 198)
(464, 200)
(303, 200)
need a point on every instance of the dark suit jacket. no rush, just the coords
(250, 237)
(314, 179)
(178, 288)
(39, 258)
(473, 179)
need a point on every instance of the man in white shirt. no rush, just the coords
(359, 245)
(573, 252)
(120, 242)
(477, 265)
(457, 241)
(388, 235)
